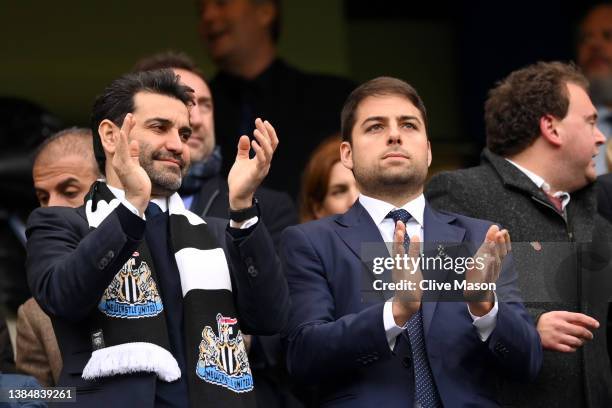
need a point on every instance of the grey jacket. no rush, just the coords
(563, 263)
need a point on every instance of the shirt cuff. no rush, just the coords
(131, 207)
(485, 324)
(392, 330)
(246, 225)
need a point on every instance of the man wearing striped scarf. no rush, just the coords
(146, 298)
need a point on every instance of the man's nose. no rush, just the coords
(394, 134)
(174, 142)
(195, 117)
(600, 138)
(56, 199)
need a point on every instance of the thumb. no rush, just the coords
(244, 146)
(134, 150)
(414, 250)
(493, 230)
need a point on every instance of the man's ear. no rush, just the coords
(429, 156)
(266, 13)
(548, 130)
(346, 155)
(109, 136)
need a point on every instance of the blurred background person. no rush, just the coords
(241, 37)
(63, 171)
(23, 126)
(327, 186)
(594, 55)
(204, 190)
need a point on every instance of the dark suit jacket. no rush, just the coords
(277, 213)
(563, 264)
(336, 339)
(304, 108)
(69, 266)
(604, 195)
(277, 209)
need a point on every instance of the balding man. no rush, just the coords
(64, 168)
(63, 171)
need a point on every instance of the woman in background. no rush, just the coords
(327, 186)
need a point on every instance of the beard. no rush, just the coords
(377, 182)
(165, 181)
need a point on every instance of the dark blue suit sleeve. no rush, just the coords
(68, 266)
(319, 345)
(261, 291)
(514, 342)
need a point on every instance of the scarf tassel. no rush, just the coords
(131, 358)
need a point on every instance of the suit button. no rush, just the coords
(252, 271)
(407, 362)
(102, 264)
(248, 261)
(110, 255)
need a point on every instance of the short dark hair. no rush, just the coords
(117, 100)
(381, 86)
(168, 59)
(515, 106)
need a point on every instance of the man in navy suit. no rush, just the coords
(360, 351)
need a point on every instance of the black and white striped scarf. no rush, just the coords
(133, 335)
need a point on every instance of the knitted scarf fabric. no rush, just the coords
(133, 334)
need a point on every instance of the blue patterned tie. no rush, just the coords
(152, 210)
(425, 391)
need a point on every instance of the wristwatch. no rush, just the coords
(245, 213)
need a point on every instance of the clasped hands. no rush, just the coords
(492, 252)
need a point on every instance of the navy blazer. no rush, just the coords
(336, 340)
(69, 265)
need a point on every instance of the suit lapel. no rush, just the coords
(438, 231)
(356, 227)
(358, 231)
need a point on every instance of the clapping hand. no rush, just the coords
(247, 174)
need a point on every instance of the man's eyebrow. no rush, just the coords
(592, 117)
(409, 117)
(67, 182)
(375, 119)
(384, 118)
(161, 121)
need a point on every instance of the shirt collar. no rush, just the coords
(541, 183)
(537, 180)
(120, 194)
(379, 209)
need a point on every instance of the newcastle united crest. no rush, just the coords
(132, 293)
(223, 359)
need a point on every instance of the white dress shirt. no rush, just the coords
(542, 184)
(120, 194)
(378, 210)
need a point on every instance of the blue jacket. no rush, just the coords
(336, 338)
